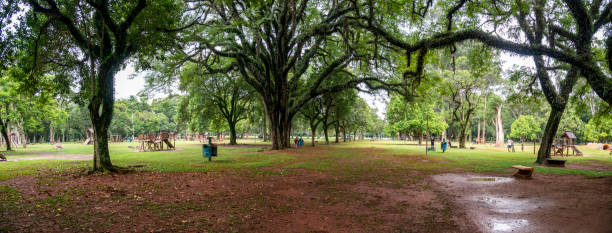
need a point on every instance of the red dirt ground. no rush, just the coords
(375, 199)
(306, 201)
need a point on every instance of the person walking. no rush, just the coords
(433, 140)
(510, 145)
(443, 145)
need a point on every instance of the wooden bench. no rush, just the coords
(555, 162)
(522, 171)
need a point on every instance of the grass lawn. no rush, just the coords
(485, 158)
(371, 186)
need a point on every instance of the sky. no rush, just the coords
(128, 82)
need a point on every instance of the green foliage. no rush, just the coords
(413, 118)
(570, 121)
(599, 129)
(525, 127)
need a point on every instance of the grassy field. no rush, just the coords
(386, 185)
(485, 158)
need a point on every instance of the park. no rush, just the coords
(305, 116)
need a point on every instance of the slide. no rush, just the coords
(87, 141)
(169, 144)
(578, 152)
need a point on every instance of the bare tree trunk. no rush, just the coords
(22, 134)
(484, 122)
(499, 128)
(478, 132)
(51, 134)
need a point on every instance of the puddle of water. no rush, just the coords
(505, 205)
(484, 179)
(490, 179)
(507, 225)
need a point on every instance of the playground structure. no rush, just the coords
(562, 146)
(90, 136)
(116, 138)
(153, 142)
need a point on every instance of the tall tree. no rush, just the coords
(101, 35)
(312, 113)
(569, 28)
(525, 127)
(274, 43)
(231, 97)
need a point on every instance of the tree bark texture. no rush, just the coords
(499, 128)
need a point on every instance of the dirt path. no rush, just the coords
(543, 204)
(52, 156)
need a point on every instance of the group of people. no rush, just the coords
(298, 142)
(444, 145)
(511, 145)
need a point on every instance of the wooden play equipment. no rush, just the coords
(153, 142)
(116, 138)
(561, 147)
(522, 171)
(90, 136)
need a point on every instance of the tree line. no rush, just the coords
(291, 52)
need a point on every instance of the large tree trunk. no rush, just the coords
(337, 128)
(4, 131)
(549, 134)
(265, 128)
(325, 127)
(232, 126)
(313, 130)
(6, 138)
(102, 160)
(499, 128)
(51, 134)
(280, 125)
(101, 106)
(462, 135)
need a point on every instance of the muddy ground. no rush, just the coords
(274, 199)
(543, 204)
(305, 201)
